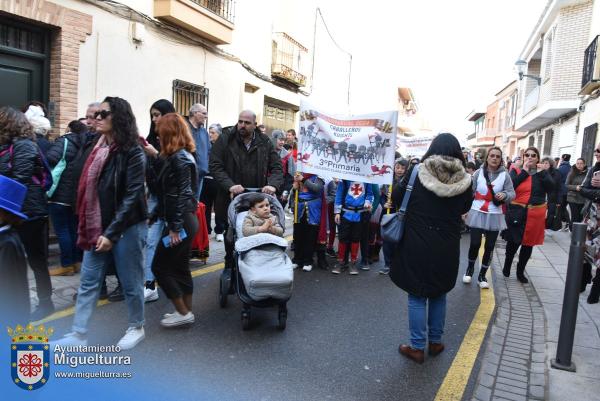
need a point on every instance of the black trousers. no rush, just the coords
(524, 255)
(209, 197)
(305, 241)
(171, 265)
(565, 213)
(576, 216)
(34, 236)
(364, 236)
(490, 242)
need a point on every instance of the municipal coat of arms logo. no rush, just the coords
(30, 356)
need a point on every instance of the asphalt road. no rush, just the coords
(340, 343)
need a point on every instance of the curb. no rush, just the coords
(513, 365)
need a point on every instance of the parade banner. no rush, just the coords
(357, 148)
(414, 146)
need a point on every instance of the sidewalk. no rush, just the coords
(524, 334)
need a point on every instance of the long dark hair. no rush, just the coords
(445, 144)
(165, 107)
(124, 126)
(574, 168)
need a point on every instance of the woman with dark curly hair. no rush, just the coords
(20, 159)
(112, 220)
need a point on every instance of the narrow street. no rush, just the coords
(340, 343)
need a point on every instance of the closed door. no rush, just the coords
(24, 55)
(21, 80)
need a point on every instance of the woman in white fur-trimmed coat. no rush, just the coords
(425, 262)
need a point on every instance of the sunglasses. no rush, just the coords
(596, 150)
(530, 155)
(102, 114)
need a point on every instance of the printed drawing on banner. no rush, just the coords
(358, 148)
(30, 356)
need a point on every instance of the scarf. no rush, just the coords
(90, 216)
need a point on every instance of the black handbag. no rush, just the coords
(392, 224)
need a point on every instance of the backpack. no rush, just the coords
(58, 170)
(45, 180)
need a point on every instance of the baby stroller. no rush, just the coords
(262, 273)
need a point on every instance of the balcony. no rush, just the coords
(288, 59)
(211, 19)
(590, 79)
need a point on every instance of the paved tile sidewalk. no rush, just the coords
(524, 334)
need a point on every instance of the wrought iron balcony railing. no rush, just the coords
(590, 79)
(223, 8)
(288, 59)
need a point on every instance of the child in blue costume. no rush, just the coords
(353, 201)
(307, 217)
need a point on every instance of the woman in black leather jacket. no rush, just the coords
(112, 220)
(177, 183)
(20, 159)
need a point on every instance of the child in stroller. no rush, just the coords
(262, 272)
(259, 219)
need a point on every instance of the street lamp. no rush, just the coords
(521, 65)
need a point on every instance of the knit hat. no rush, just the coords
(277, 134)
(37, 119)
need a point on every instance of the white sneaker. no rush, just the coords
(132, 337)
(177, 319)
(294, 266)
(466, 279)
(219, 237)
(150, 294)
(166, 315)
(307, 268)
(71, 339)
(484, 284)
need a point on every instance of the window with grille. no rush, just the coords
(185, 94)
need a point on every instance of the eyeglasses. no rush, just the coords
(530, 155)
(102, 114)
(245, 122)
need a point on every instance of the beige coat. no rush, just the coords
(253, 222)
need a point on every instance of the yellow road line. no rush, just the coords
(457, 377)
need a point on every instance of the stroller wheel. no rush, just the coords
(282, 318)
(222, 298)
(245, 320)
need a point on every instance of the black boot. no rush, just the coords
(595, 291)
(322, 260)
(507, 266)
(469, 272)
(481, 279)
(586, 276)
(45, 308)
(521, 273)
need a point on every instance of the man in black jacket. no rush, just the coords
(243, 158)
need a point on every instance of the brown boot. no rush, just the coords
(417, 355)
(63, 271)
(435, 348)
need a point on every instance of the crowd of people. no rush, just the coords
(125, 204)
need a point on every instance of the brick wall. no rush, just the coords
(71, 29)
(571, 40)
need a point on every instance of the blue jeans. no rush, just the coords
(199, 191)
(128, 255)
(421, 329)
(154, 235)
(64, 222)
